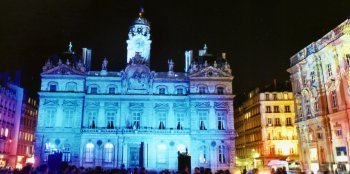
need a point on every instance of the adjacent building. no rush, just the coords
(320, 78)
(266, 129)
(16, 137)
(137, 117)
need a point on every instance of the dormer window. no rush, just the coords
(201, 90)
(111, 90)
(162, 91)
(220, 90)
(179, 91)
(93, 90)
(53, 87)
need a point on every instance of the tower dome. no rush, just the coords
(139, 41)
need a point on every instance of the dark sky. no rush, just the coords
(259, 37)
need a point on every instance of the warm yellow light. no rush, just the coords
(19, 166)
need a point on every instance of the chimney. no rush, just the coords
(223, 55)
(87, 58)
(188, 59)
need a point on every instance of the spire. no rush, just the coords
(205, 47)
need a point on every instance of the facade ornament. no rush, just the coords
(205, 63)
(171, 67)
(70, 47)
(215, 64)
(104, 64)
(48, 65)
(67, 62)
(80, 66)
(59, 62)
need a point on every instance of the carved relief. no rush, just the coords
(223, 105)
(70, 103)
(202, 105)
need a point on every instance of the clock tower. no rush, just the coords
(139, 39)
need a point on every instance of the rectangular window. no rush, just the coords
(268, 109)
(341, 151)
(180, 119)
(222, 158)
(111, 90)
(93, 90)
(50, 117)
(334, 98)
(319, 135)
(134, 156)
(277, 122)
(269, 121)
(347, 59)
(288, 121)
(69, 117)
(136, 118)
(203, 115)
(274, 96)
(329, 69)
(339, 132)
(312, 74)
(276, 109)
(267, 96)
(162, 119)
(92, 115)
(221, 115)
(110, 116)
(287, 108)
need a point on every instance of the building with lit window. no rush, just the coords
(266, 129)
(137, 117)
(320, 78)
(13, 104)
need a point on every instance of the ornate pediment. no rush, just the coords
(221, 105)
(92, 104)
(202, 105)
(179, 105)
(136, 105)
(63, 69)
(111, 104)
(70, 103)
(210, 71)
(161, 106)
(49, 102)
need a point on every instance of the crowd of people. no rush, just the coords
(66, 169)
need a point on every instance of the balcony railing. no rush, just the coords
(134, 131)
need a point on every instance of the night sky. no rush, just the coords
(258, 37)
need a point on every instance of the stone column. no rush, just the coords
(101, 116)
(212, 120)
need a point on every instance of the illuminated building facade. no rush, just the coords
(137, 117)
(12, 113)
(320, 78)
(266, 129)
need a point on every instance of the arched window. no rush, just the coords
(89, 153)
(108, 152)
(71, 86)
(221, 154)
